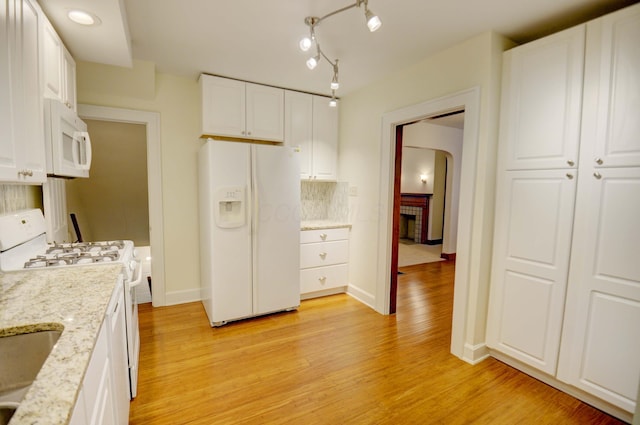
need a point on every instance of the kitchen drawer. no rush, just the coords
(324, 235)
(323, 254)
(321, 278)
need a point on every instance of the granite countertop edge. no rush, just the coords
(323, 224)
(71, 299)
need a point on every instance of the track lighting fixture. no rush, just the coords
(373, 23)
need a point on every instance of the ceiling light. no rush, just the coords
(305, 44)
(335, 84)
(313, 62)
(83, 18)
(373, 22)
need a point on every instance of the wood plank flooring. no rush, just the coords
(335, 361)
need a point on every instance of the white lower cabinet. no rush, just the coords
(324, 262)
(104, 396)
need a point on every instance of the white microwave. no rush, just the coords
(67, 143)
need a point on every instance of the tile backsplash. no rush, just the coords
(324, 200)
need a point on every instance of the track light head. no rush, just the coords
(313, 62)
(373, 22)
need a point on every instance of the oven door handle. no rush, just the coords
(138, 279)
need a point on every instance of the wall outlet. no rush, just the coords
(353, 191)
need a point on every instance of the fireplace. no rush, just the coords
(414, 216)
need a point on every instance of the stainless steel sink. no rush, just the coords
(21, 358)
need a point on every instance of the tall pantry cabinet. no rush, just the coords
(565, 290)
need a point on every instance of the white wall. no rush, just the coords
(473, 63)
(415, 162)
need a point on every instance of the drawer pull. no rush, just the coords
(322, 279)
(323, 255)
(323, 236)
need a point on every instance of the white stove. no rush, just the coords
(23, 246)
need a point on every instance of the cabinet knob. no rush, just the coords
(242, 132)
(323, 255)
(323, 236)
(599, 161)
(249, 133)
(569, 176)
(597, 175)
(322, 279)
(571, 163)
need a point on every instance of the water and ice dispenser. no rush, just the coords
(229, 208)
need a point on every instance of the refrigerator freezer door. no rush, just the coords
(276, 251)
(225, 252)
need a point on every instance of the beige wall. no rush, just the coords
(177, 101)
(473, 63)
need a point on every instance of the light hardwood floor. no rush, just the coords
(335, 361)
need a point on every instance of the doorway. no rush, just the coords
(464, 318)
(151, 123)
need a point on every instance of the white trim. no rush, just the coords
(475, 353)
(362, 296)
(469, 100)
(182, 297)
(154, 177)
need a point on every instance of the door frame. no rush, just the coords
(151, 120)
(463, 322)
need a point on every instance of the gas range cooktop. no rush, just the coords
(77, 253)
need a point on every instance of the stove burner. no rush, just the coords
(77, 253)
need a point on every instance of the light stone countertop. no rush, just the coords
(73, 299)
(322, 224)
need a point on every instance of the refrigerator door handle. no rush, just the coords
(255, 206)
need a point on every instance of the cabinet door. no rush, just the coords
(612, 95)
(8, 166)
(69, 79)
(534, 213)
(223, 106)
(542, 100)
(265, 112)
(51, 61)
(298, 127)
(600, 350)
(325, 139)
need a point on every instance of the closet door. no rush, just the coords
(542, 101)
(534, 214)
(600, 351)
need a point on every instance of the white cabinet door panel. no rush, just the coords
(600, 352)
(613, 106)
(298, 128)
(223, 106)
(323, 254)
(325, 139)
(543, 130)
(265, 112)
(534, 213)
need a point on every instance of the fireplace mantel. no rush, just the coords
(417, 204)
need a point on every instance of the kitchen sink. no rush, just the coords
(21, 358)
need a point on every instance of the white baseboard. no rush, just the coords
(362, 296)
(474, 354)
(182, 297)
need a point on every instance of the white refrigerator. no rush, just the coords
(249, 229)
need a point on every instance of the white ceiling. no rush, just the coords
(256, 40)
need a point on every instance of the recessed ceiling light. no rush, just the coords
(83, 18)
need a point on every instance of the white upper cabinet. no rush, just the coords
(612, 100)
(58, 67)
(312, 125)
(543, 131)
(22, 155)
(238, 109)
(298, 118)
(325, 139)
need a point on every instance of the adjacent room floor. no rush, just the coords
(335, 361)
